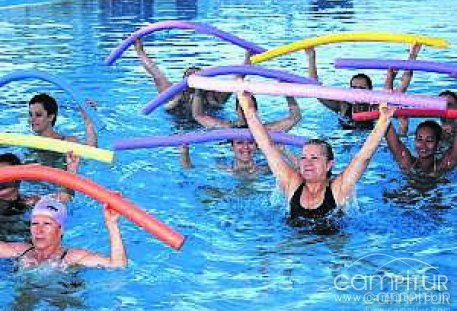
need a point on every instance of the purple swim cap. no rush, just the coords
(51, 208)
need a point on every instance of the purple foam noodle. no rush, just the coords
(201, 28)
(416, 65)
(203, 137)
(179, 87)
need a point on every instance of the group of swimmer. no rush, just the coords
(311, 189)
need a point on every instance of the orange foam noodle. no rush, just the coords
(68, 180)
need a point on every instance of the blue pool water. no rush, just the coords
(239, 253)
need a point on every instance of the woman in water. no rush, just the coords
(312, 192)
(47, 228)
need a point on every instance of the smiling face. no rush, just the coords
(314, 163)
(244, 150)
(39, 118)
(46, 232)
(425, 142)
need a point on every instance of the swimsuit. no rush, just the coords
(297, 210)
(60, 263)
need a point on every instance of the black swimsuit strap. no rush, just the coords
(26, 251)
(65, 252)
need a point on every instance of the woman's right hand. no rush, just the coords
(386, 112)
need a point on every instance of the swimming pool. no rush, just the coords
(240, 254)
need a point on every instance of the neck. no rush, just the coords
(43, 254)
(315, 187)
(49, 132)
(244, 165)
(426, 164)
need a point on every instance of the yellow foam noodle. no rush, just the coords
(56, 145)
(349, 37)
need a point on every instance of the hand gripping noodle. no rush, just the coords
(416, 65)
(348, 37)
(200, 28)
(56, 145)
(317, 91)
(59, 82)
(177, 88)
(202, 137)
(97, 192)
(409, 113)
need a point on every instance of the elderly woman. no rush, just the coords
(311, 192)
(47, 227)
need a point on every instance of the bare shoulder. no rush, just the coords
(19, 248)
(75, 255)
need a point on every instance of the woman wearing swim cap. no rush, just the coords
(47, 226)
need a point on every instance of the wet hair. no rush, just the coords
(452, 94)
(188, 70)
(327, 149)
(434, 126)
(241, 126)
(49, 104)
(237, 103)
(10, 159)
(362, 76)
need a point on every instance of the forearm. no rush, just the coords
(185, 157)
(118, 256)
(158, 76)
(346, 181)
(282, 171)
(199, 115)
(374, 139)
(91, 133)
(312, 68)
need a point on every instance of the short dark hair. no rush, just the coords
(327, 148)
(362, 76)
(191, 68)
(434, 126)
(49, 104)
(449, 93)
(240, 126)
(10, 158)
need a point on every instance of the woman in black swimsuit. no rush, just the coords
(311, 191)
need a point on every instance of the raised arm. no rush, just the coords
(12, 250)
(160, 80)
(404, 84)
(288, 122)
(397, 147)
(408, 74)
(345, 182)
(201, 117)
(312, 73)
(449, 160)
(287, 177)
(185, 156)
(118, 256)
(91, 134)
